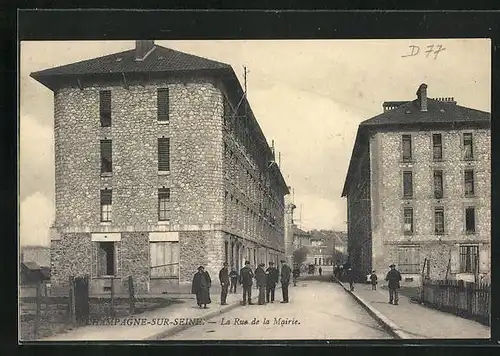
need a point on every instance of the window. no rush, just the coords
(439, 221)
(469, 259)
(106, 157)
(409, 259)
(163, 154)
(406, 148)
(162, 99)
(105, 107)
(408, 184)
(469, 182)
(106, 205)
(106, 259)
(470, 220)
(408, 221)
(437, 147)
(164, 204)
(438, 184)
(164, 258)
(468, 152)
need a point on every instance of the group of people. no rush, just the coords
(393, 279)
(266, 281)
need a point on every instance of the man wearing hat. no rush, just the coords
(271, 280)
(246, 277)
(393, 278)
(224, 283)
(260, 278)
(201, 287)
(285, 280)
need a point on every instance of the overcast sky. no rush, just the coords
(309, 96)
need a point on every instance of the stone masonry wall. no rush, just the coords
(135, 259)
(70, 256)
(387, 183)
(195, 177)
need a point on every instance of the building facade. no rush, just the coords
(160, 167)
(418, 191)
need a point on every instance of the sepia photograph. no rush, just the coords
(254, 190)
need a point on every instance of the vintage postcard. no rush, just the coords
(255, 190)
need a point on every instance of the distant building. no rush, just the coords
(160, 166)
(418, 188)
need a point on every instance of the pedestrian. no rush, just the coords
(233, 275)
(393, 278)
(373, 279)
(320, 271)
(201, 287)
(285, 280)
(296, 274)
(224, 283)
(246, 276)
(260, 278)
(350, 278)
(271, 280)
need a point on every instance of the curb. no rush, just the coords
(385, 322)
(178, 329)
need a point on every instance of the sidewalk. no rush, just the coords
(186, 309)
(417, 321)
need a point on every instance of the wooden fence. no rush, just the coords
(469, 300)
(41, 312)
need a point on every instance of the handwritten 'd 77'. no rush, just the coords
(431, 49)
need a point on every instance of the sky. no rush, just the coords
(309, 96)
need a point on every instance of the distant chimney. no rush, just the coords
(422, 97)
(142, 49)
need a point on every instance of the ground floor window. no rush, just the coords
(164, 258)
(409, 259)
(106, 259)
(469, 258)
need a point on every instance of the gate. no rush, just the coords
(82, 305)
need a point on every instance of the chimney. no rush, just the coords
(142, 49)
(422, 97)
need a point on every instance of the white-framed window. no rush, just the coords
(437, 147)
(439, 221)
(469, 258)
(164, 204)
(469, 182)
(106, 205)
(407, 150)
(468, 146)
(408, 220)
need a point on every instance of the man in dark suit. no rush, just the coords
(246, 277)
(260, 278)
(271, 280)
(224, 283)
(393, 278)
(285, 280)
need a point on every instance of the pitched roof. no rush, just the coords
(408, 115)
(161, 59)
(437, 111)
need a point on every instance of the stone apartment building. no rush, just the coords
(160, 166)
(418, 188)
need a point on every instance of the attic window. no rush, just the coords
(119, 59)
(442, 110)
(407, 111)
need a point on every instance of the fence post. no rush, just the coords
(112, 311)
(72, 303)
(131, 296)
(38, 306)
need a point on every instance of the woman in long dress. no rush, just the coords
(201, 287)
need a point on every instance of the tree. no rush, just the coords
(300, 255)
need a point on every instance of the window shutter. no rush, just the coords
(455, 261)
(163, 154)
(106, 156)
(106, 197)
(163, 104)
(105, 107)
